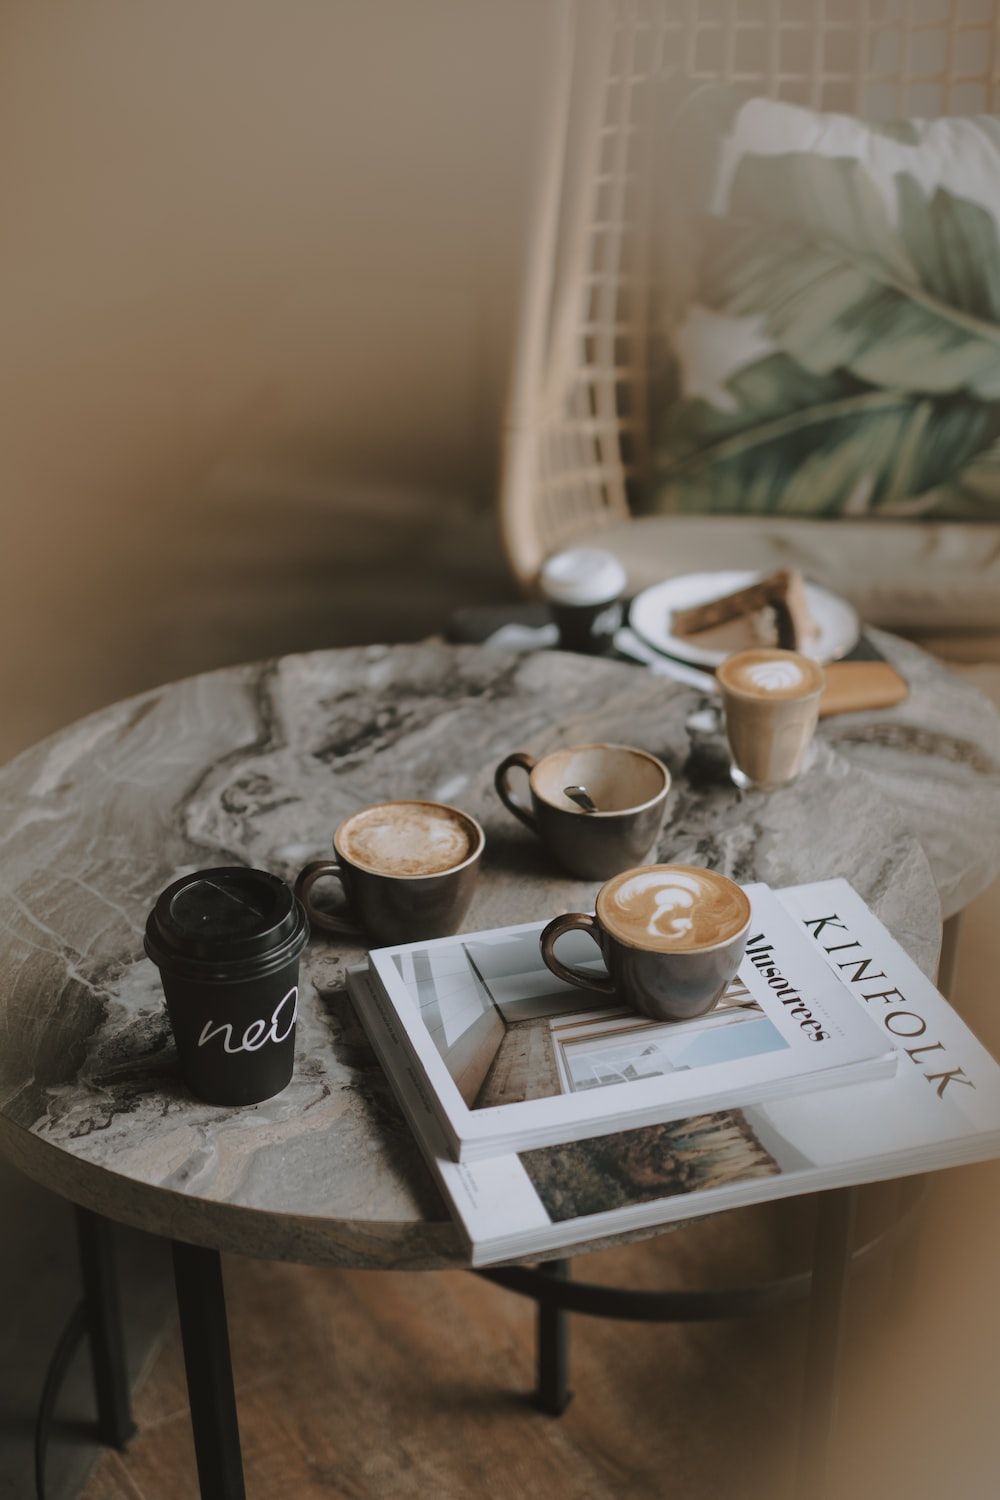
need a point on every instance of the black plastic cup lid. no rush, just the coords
(231, 919)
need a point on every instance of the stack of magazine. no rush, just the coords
(548, 1122)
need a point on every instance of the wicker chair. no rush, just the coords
(575, 447)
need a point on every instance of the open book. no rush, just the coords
(940, 1107)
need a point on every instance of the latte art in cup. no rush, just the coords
(771, 674)
(671, 936)
(407, 838)
(406, 869)
(672, 908)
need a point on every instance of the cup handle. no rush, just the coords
(554, 931)
(501, 781)
(322, 869)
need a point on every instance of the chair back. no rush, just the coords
(575, 442)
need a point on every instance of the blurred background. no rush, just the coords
(259, 277)
(257, 284)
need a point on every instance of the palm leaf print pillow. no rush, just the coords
(841, 354)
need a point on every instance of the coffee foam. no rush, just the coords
(771, 674)
(407, 838)
(672, 908)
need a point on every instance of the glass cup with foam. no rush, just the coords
(771, 703)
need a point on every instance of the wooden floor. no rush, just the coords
(361, 1386)
(409, 1385)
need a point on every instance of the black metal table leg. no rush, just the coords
(948, 962)
(827, 1317)
(552, 1394)
(104, 1326)
(201, 1304)
(905, 1261)
(70, 1339)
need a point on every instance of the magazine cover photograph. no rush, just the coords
(509, 1031)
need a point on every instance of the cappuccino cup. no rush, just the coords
(408, 870)
(771, 703)
(628, 786)
(672, 938)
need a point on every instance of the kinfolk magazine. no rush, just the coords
(941, 1107)
(511, 1057)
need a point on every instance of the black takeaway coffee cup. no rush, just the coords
(227, 945)
(584, 588)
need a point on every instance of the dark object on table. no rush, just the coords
(864, 650)
(227, 943)
(583, 588)
(478, 622)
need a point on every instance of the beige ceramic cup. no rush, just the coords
(771, 703)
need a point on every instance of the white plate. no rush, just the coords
(650, 616)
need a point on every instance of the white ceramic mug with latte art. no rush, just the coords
(671, 936)
(771, 702)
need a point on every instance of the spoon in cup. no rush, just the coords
(581, 797)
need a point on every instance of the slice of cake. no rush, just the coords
(771, 612)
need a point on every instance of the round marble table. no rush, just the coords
(937, 757)
(257, 764)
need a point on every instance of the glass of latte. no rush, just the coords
(771, 703)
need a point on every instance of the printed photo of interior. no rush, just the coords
(508, 1032)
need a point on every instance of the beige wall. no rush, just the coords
(257, 277)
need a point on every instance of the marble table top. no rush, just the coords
(257, 764)
(937, 756)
